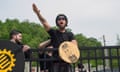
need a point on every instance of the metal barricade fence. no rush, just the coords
(92, 59)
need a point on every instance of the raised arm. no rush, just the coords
(41, 18)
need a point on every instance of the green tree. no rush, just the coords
(34, 33)
(84, 41)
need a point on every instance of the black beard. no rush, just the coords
(18, 42)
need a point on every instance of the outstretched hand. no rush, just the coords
(35, 9)
(25, 48)
(41, 18)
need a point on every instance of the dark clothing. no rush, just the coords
(57, 38)
(19, 55)
(62, 67)
(44, 65)
(26, 53)
(20, 44)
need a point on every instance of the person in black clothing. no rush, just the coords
(45, 65)
(16, 37)
(57, 37)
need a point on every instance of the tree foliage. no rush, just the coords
(34, 33)
(84, 41)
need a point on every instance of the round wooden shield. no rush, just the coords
(11, 57)
(69, 52)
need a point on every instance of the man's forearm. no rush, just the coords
(42, 20)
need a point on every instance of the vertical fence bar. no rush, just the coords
(30, 67)
(44, 62)
(79, 66)
(37, 62)
(118, 59)
(110, 57)
(89, 60)
(74, 67)
(37, 66)
(96, 60)
(104, 58)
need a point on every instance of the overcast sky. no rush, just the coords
(92, 18)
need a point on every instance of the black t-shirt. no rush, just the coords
(58, 37)
(19, 55)
(26, 53)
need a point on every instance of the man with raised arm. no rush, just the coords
(57, 37)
